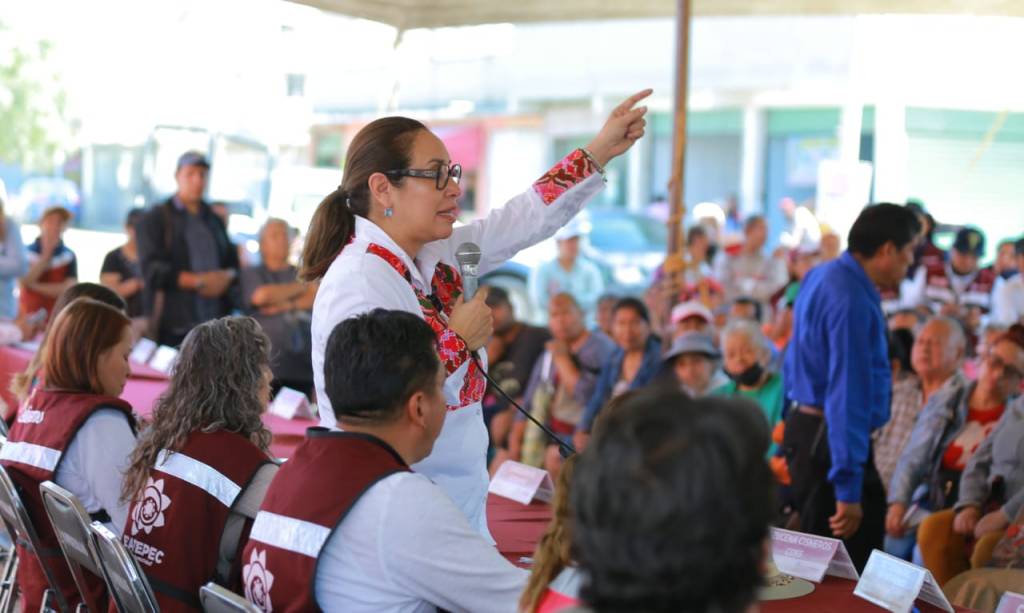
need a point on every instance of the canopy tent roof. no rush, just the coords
(412, 14)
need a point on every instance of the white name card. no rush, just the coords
(895, 584)
(1011, 602)
(163, 359)
(522, 483)
(811, 557)
(143, 351)
(290, 404)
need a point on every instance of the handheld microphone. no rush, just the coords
(468, 257)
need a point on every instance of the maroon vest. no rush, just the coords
(939, 290)
(299, 514)
(35, 447)
(175, 526)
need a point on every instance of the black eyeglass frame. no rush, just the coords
(454, 172)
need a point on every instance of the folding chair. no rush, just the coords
(8, 574)
(71, 525)
(128, 586)
(217, 599)
(19, 525)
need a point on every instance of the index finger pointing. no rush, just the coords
(637, 97)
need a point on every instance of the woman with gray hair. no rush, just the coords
(274, 296)
(200, 471)
(746, 356)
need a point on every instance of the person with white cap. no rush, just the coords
(691, 316)
(694, 361)
(569, 272)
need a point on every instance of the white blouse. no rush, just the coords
(358, 282)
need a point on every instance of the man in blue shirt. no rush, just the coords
(838, 376)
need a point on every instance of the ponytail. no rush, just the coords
(331, 228)
(384, 144)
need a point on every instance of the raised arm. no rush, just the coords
(554, 198)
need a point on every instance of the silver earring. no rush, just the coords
(388, 212)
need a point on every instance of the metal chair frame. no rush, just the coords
(128, 586)
(77, 546)
(219, 599)
(19, 525)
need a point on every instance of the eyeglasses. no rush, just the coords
(440, 175)
(1008, 371)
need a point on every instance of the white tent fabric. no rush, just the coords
(412, 14)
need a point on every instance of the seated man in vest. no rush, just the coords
(959, 287)
(346, 525)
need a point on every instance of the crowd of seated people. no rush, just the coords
(949, 456)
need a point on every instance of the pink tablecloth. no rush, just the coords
(141, 391)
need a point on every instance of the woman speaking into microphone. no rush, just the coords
(386, 239)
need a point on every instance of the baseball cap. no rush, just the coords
(64, 214)
(688, 309)
(693, 342)
(192, 158)
(969, 240)
(576, 227)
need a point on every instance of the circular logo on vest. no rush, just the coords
(258, 580)
(149, 511)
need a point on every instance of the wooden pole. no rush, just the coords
(675, 261)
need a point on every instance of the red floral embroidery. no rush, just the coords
(446, 287)
(563, 176)
(392, 259)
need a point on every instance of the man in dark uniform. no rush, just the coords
(188, 262)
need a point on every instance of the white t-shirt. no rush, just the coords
(93, 465)
(404, 547)
(1008, 301)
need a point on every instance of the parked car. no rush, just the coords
(39, 193)
(628, 247)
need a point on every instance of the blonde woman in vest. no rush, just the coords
(75, 431)
(386, 238)
(554, 581)
(201, 469)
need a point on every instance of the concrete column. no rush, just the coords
(891, 151)
(752, 161)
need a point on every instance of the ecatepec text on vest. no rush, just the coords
(146, 554)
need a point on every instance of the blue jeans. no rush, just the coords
(902, 547)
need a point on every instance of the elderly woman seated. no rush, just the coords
(746, 358)
(693, 364)
(948, 432)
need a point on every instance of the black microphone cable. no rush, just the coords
(564, 449)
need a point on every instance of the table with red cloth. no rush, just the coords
(517, 528)
(142, 389)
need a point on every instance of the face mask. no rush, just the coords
(748, 377)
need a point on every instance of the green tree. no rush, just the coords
(33, 130)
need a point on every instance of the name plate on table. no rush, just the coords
(291, 404)
(895, 584)
(163, 359)
(143, 351)
(1011, 602)
(811, 557)
(522, 483)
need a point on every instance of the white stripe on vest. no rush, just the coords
(203, 476)
(31, 454)
(295, 535)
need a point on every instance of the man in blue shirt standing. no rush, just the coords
(838, 377)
